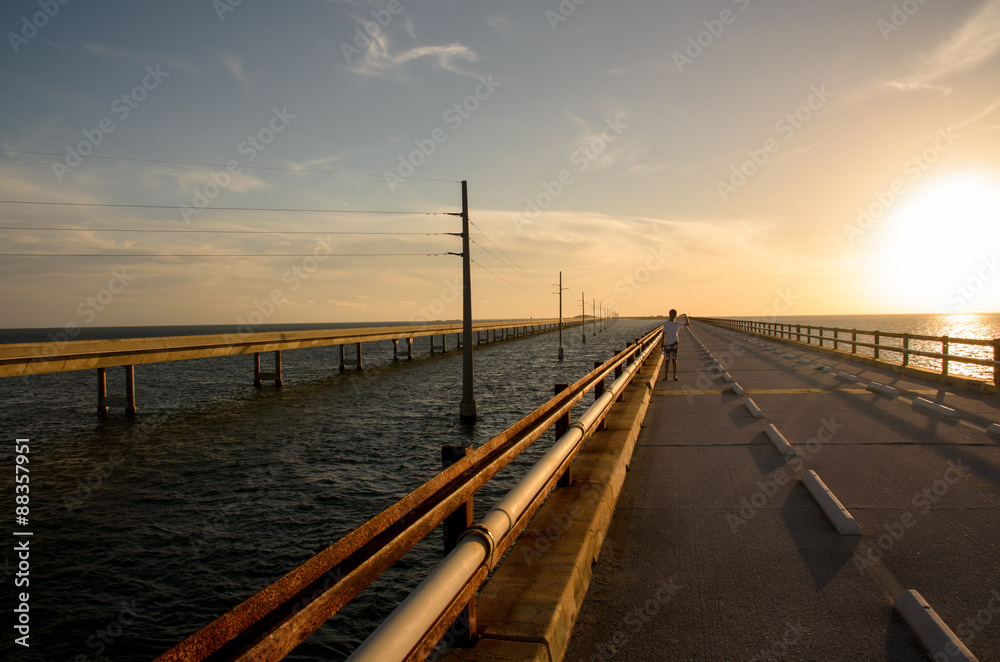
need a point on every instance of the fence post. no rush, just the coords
(454, 525)
(996, 359)
(876, 340)
(598, 392)
(562, 424)
(906, 349)
(854, 341)
(798, 333)
(944, 350)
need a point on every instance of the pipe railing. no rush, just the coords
(416, 625)
(271, 623)
(805, 333)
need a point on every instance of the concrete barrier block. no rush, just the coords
(835, 511)
(779, 440)
(935, 408)
(737, 389)
(753, 408)
(994, 430)
(934, 635)
(884, 389)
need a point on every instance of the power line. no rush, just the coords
(222, 254)
(507, 281)
(307, 211)
(182, 230)
(222, 165)
(505, 262)
(514, 264)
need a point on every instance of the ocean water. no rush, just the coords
(966, 327)
(145, 530)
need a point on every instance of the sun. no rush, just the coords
(937, 250)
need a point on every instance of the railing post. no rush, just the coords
(562, 424)
(854, 341)
(454, 525)
(798, 333)
(996, 359)
(906, 349)
(945, 347)
(598, 392)
(876, 340)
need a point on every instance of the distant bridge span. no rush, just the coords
(18, 359)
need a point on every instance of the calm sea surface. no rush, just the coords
(145, 530)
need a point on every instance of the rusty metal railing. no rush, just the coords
(271, 623)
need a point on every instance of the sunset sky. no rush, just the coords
(731, 157)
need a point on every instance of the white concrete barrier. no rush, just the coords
(835, 511)
(753, 408)
(884, 389)
(779, 440)
(932, 632)
(934, 407)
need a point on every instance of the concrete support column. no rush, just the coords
(395, 350)
(130, 390)
(102, 392)
(409, 349)
(343, 358)
(360, 365)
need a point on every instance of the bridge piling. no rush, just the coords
(259, 376)
(105, 401)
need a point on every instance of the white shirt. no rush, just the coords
(670, 330)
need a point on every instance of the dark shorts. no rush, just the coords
(670, 351)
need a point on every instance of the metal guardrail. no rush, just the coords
(805, 332)
(271, 623)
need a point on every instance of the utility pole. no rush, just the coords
(467, 410)
(593, 311)
(583, 324)
(560, 317)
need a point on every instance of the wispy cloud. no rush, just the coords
(346, 304)
(234, 65)
(378, 58)
(972, 44)
(504, 28)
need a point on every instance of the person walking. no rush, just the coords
(671, 341)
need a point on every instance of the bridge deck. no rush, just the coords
(718, 552)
